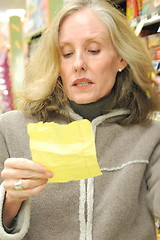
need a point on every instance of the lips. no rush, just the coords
(82, 82)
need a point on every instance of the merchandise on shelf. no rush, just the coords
(150, 6)
(6, 103)
(17, 63)
(133, 8)
(156, 64)
(37, 16)
(157, 53)
(4, 35)
(154, 45)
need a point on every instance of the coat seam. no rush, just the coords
(124, 165)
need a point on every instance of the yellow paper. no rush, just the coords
(66, 150)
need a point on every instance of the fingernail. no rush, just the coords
(49, 174)
(41, 167)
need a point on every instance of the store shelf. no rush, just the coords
(145, 20)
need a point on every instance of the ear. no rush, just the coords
(122, 64)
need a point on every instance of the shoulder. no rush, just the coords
(155, 123)
(150, 130)
(14, 120)
(15, 116)
(149, 134)
(154, 126)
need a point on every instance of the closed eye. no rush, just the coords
(94, 52)
(66, 55)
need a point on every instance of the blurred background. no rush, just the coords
(12, 4)
(22, 23)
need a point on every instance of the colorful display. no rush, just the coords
(6, 103)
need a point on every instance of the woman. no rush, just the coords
(89, 65)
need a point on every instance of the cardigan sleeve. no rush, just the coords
(23, 217)
(153, 182)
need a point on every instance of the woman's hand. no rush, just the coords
(33, 179)
(156, 80)
(33, 175)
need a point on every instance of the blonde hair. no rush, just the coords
(43, 91)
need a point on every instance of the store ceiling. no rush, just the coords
(11, 4)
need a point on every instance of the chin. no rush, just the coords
(83, 101)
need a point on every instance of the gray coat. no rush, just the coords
(118, 205)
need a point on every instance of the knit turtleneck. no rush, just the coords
(91, 110)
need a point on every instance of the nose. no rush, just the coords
(79, 62)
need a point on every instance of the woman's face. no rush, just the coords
(89, 62)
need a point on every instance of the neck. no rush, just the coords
(91, 110)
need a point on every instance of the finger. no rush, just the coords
(23, 163)
(26, 183)
(156, 79)
(156, 83)
(11, 173)
(24, 194)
